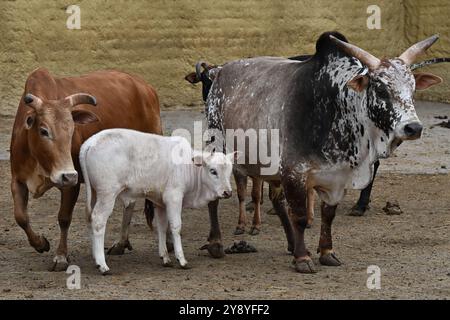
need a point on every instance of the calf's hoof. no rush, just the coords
(239, 231)
(357, 211)
(215, 249)
(119, 248)
(330, 260)
(254, 231)
(104, 270)
(43, 246)
(185, 266)
(304, 266)
(60, 263)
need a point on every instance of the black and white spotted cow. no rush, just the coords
(337, 114)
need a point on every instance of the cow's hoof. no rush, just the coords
(329, 259)
(167, 264)
(186, 266)
(45, 245)
(215, 249)
(357, 211)
(60, 263)
(107, 273)
(308, 225)
(118, 248)
(254, 231)
(239, 231)
(304, 266)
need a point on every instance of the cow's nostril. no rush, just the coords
(69, 178)
(413, 129)
(227, 194)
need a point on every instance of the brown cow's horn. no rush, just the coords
(366, 58)
(32, 101)
(413, 52)
(81, 98)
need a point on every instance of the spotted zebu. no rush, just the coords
(337, 114)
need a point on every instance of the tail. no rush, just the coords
(83, 155)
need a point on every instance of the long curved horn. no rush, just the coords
(365, 57)
(81, 98)
(198, 70)
(32, 101)
(425, 63)
(413, 52)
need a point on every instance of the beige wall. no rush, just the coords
(162, 40)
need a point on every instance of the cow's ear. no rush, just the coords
(83, 117)
(359, 83)
(425, 80)
(192, 78)
(29, 120)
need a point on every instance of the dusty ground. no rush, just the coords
(412, 249)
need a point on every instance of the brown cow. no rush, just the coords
(53, 119)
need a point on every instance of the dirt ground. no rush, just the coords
(411, 249)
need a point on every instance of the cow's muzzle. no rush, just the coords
(410, 131)
(226, 194)
(66, 179)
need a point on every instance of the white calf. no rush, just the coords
(127, 164)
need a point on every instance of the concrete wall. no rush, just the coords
(162, 40)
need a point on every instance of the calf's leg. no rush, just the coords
(20, 197)
(99, 217)
(173, 210)
(149, 212)
(161, 226)
(327, 255)
(241, 184)
(69, 198)
(119, 247)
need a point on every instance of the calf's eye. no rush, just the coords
(213, 172)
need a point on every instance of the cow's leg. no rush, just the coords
(310, 204)
(69, 198)
(241, 185)
(256, 198)
(278, 200)
(161, 226)
(214, 247)
(364, 198)
(99, 217)
(173, 210)
(20, 197)
(250, 205)
(296, 194)
(119, 247)
(327, 255)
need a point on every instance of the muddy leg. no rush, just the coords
(215, 247)
(20, 198)
(276, 195)
(296, 194)
(310, 207)
(364, 198)
(241, 184)
(69, 198)
(119, 247)
(327, 255)
(256, 198)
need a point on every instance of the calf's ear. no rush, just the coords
(425, 80)
(234, 156)
(359, 83)
(83, 117)
(192, 78)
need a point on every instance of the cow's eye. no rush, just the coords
(213, 172)
(44, 132)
